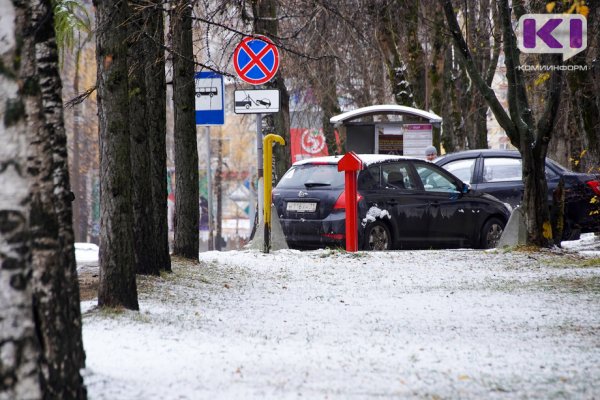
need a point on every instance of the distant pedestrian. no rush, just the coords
(430, 153)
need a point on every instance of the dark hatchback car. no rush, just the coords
(402, 203)
(498, 172)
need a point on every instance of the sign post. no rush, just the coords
(256, 61)
(350, 164)
(210, 111)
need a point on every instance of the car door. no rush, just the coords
(502, 178)
(396, 193)
(451, 216)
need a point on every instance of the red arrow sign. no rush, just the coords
(350, 162)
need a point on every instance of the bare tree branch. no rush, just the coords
(81, 97)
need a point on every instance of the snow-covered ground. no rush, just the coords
(332, 325)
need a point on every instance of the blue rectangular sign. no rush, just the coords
(210, 99)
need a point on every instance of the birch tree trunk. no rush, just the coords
(117, 286)
(19, 345)
(56, 288)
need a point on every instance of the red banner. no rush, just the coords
(307, 143)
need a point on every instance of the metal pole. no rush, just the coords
(209, 191)
(259, 144)
(259, 156)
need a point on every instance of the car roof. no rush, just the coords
(466, 154)
(367, 159)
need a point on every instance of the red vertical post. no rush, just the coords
(351, 226)
(350, 164)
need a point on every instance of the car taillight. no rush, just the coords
(340, 203)
(595, 185)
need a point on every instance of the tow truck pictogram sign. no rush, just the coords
(256, 101)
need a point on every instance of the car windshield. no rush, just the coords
(312, 175)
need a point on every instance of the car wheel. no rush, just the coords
(491, 233)
(377, 237)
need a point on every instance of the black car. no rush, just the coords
(402, 203)
(498, 172)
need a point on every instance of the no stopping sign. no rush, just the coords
(256, 59)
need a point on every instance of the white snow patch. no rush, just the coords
(374, 214)
(321, 324)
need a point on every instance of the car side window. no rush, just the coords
(463, 169)
(505, 170)
(369, 178)
(501, 169)
(397, 176)
(434, 181)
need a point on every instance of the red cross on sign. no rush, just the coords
(256, 59)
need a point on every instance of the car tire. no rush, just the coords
(491, 233)
(377, 237)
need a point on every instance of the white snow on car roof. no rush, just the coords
(367, 159)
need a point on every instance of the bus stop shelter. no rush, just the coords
(387, 129)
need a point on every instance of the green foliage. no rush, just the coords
(70, 19)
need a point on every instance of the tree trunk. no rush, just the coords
(79, 181)
(265, 23)
(143, 235)
(478, 133)
(438, 100)
(417, 60)
(117, 265)
(77, 175)
(586, 117)
(59, 314)
(328, 100)
(157, 129)
(396, 68)
(330, 106)
(19, 345)
(454, 135)
(186, 151)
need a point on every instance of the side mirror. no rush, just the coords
(466, 188)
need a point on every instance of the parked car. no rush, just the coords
(402, 203)
(498, 172)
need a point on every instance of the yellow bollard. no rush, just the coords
(268, 183)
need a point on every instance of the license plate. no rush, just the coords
(301, 207)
